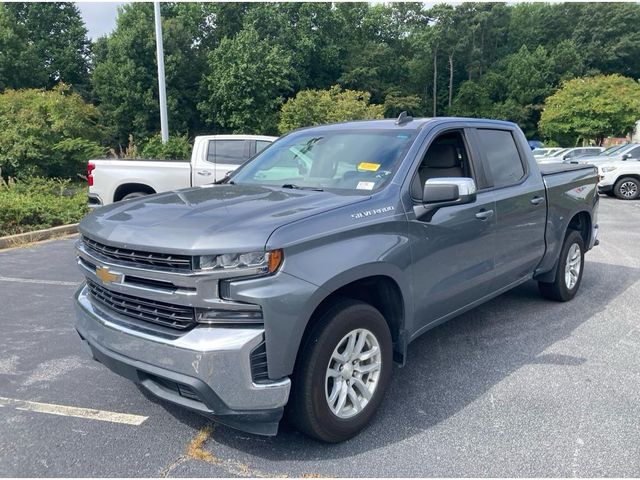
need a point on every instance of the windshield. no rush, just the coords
(351, 161)
(613, 149)
(560, 152)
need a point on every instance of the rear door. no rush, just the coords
(520, 199)
(218, 157)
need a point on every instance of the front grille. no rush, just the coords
(139, 258)
(160, 313)
(258, 359)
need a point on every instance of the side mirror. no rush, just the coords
(626, 156)
(445, 191)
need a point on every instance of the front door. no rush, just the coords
(452, 250)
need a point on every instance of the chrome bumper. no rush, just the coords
(211, 364)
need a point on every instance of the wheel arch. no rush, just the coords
(581, 222)
(126, 188)
(381, 289)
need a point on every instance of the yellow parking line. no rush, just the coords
(64, 410)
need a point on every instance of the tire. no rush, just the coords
(566, 285)
(627, 188)
(312, 386)
(131, 195)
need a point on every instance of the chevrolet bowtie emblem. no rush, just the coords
(107, 276)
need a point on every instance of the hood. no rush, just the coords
(599, 159)
(210, 219)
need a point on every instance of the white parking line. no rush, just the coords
(32, 280)
(88, 413)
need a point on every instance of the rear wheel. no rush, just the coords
(627, 188)
(343, 372)
(569, 273)
(131, 195)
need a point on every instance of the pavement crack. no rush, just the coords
(164, 473)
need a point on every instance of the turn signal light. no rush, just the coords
(275, 260)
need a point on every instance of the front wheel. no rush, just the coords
(344, 370)
(569, 273)
(627, 188)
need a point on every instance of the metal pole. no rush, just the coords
(164, 126)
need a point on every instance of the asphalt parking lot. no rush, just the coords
(518, 387)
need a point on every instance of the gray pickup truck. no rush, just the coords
(306, 274)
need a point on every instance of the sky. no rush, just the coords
(99, 17)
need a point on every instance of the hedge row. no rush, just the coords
(37, 203)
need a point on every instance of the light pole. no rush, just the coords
(164, 126)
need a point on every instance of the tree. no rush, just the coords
(58, 38)
(592, 108)
(50, 133)
(245, 84)
(315, 107)
(125, 74)
(18, 59)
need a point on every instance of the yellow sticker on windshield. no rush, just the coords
(369, 167)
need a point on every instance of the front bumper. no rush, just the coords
(604, 188)
(207, 369)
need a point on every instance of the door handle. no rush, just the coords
(204, 173)
(537, 200)
(484, 214)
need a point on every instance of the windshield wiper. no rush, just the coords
(298, 187)
(224, 180)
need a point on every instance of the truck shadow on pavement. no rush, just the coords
(452, 366)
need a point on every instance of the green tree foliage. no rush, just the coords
(245, 84)
(57, 38)
(315, 107)
(591, 108)
(125, 76)
(177, 147)
(230, 66)
(19, 66)
(50, 133)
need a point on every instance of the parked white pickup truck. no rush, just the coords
(212, 158)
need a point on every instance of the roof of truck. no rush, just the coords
(412, 124)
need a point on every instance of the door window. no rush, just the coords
(261, 145)
(227, 151)
(503, 158)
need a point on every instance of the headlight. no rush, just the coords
(264, 262)
(608, 169)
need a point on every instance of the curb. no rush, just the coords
(37, 235)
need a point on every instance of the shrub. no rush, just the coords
(176, 148)
(49, 133)
(37, 203)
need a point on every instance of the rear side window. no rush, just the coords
(261, 145)
(635, 153)
(227, 151)
(502, 156)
